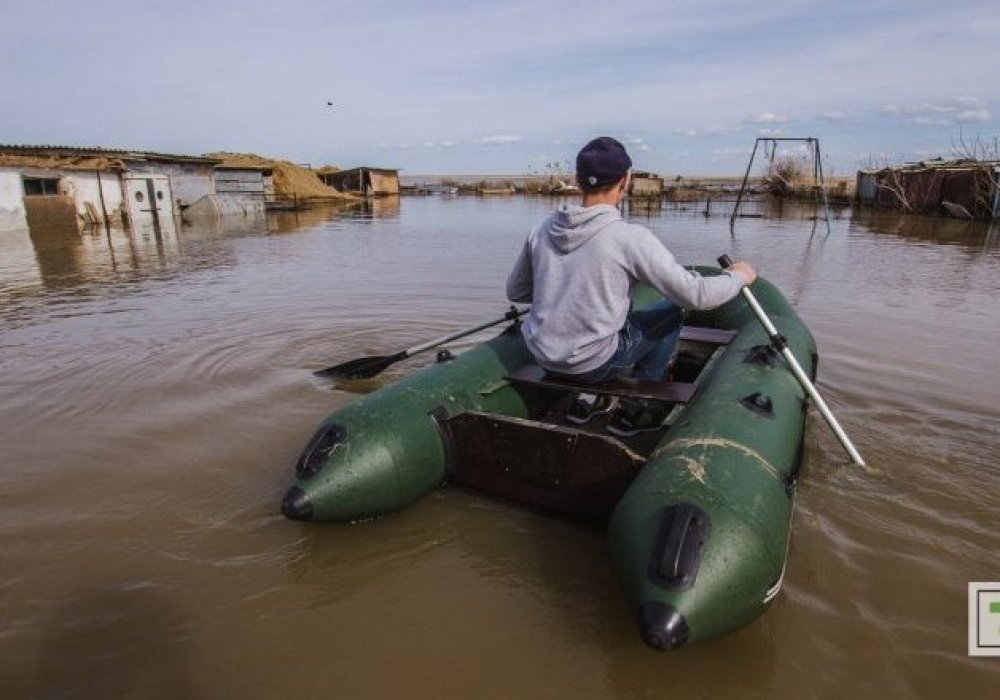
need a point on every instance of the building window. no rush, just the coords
(38, 186)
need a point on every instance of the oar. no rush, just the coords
(779, 343)
(364, 367)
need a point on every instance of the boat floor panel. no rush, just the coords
(539, 465)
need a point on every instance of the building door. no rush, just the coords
(150, 206)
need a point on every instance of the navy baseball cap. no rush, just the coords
(601, 162)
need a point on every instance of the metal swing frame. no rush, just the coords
(819, 191)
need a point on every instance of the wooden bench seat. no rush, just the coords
(716, 336)
(673, 392)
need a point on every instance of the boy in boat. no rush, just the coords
(578, 269)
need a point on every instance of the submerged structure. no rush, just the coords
(365, 181)
(47, 187)
(645, 184)
(966, 189)
(697, 512)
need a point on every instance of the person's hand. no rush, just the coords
(746, 271)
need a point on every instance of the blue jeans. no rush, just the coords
(645, 345)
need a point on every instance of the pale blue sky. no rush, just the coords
(502, 87)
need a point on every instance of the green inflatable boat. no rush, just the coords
(697, 514)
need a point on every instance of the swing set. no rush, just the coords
(768, 145)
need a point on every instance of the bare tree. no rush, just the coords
(978, 149)
(888, 179)
(985, 152)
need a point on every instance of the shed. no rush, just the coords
(364, 180)
(66, 186)
(645, 184)
(960, 187)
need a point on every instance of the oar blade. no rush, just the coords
(361, 368)
(365, 367)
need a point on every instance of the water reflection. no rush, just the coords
(382, 207)
(59, 255)
(68, 258)
(295, 220)
(63, 264)
(980, 235)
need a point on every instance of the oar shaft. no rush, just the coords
(509, 316)
(823, 408)
(803, 378)
(779, 343)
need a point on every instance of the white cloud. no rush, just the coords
(767, 118)
(973, 115)
(801, 149)
(772, 132)
(498, 140)
(834, 117)
(637, 141)
(706, 131)
(940, 112)
(924, 120)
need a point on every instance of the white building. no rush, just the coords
(54, 186)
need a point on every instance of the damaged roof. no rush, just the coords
(87, 158)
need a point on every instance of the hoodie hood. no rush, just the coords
(572, 225)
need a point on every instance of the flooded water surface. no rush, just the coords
(155, 393)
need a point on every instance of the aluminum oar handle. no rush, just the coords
(780, 344)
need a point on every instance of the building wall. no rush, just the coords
(189, 182)
(81, 186)
(866, 188)
(12, 215)
(247, 184)
(646, 187)
(345, 180)
(929, 189)
(86, 187)
(238, 193)
(364, 181)
(384, 183)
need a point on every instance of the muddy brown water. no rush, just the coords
(154, 395)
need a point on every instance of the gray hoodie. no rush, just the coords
(578, 268)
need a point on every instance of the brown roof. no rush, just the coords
(86, 158)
